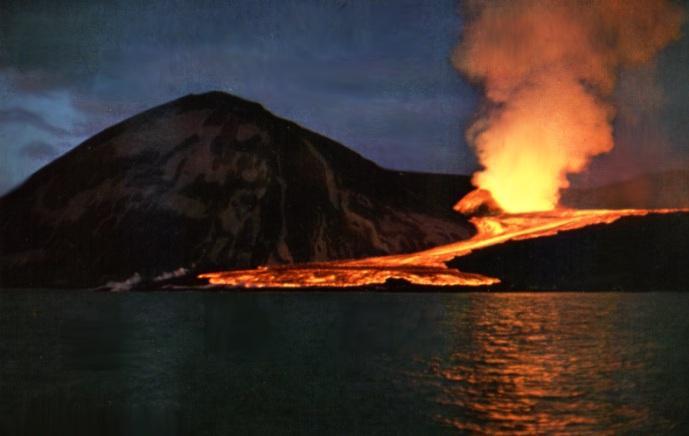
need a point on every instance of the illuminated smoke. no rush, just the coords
(548, 68)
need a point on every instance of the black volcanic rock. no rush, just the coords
(651, 191)
(646, 253)
(209, 182)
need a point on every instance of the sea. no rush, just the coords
(220, 363)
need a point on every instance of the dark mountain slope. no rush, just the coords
(646, 253)
(213, 181)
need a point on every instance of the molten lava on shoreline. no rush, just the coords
(428, 267)
(548, 71)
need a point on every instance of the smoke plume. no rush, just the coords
(548, 69)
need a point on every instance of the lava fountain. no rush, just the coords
(548, 68)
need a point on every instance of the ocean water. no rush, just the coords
(345, 363)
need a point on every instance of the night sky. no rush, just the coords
(372, 74)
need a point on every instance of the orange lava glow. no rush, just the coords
(425, 267)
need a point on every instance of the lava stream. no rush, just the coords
(424, 267)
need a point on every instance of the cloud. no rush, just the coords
(29, 122)
(39, 150)
(28, 118)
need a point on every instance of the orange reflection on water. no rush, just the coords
(536, 365)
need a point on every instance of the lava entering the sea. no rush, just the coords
(425, 267)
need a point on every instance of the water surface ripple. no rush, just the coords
(215, 363)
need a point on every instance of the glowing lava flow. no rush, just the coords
(425, 267)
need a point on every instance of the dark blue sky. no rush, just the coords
(372, 74)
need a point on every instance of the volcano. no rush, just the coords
(210, 182)
(215, 188)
